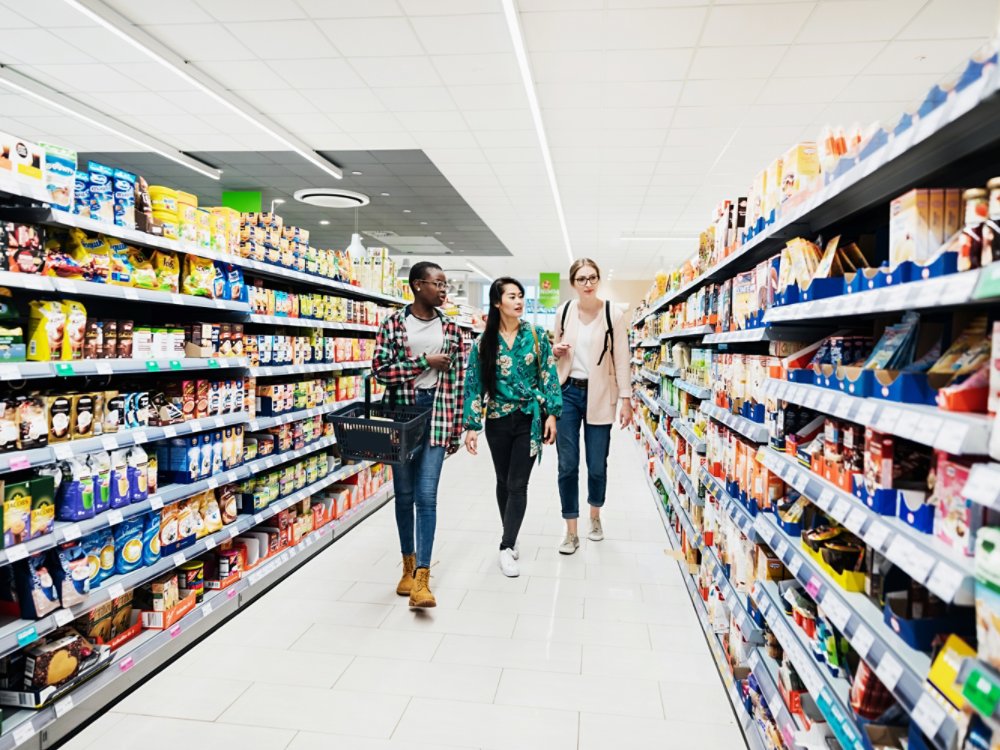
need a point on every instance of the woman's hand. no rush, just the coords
(550, 430)
(625, 417)
(472, 442)
(560, 350)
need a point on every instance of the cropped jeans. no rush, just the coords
(597, 442)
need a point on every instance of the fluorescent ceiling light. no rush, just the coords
(120, 26)
(653, 238)
(517, 38)
(473, 267)
(24, 85)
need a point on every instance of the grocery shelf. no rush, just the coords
(651, 376)
(670, 372)
(152, 649)
(686, 333)
(264, 423)
(733, 507)
(17, 460)
(268, 371)
(664, 440)
(36, 283)
(686, 482)
(958, 433)
(981, 688)
(953, 290)
(764, 333)
(685, 430)
(923, 557)
(282, 320)
(635, 361)
(737, 601)
(103, 367)
(831, 694)
(645, 432)
(902, 669)
(667, 409)
(697, 391)
(983, 485)
(648, 343)
(54, 217)
(765, 669)
(958, 128)
(753, 431)
(653, 406)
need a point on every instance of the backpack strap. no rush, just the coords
(609, 338)
(562, 323)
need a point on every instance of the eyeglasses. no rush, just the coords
(437, 284)
(587, 280)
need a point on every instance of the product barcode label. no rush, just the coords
(179, 559)
(836, 610)
(64, 706)
(23, 733)
(781, 549)
(115, 590)
(928, 714)
(169, 431)
(866, 412)
(794, 565)
(206, 609)
(951, 437)
(109, 442)
(62, 617)
(105, 368)
(155, 503)
(945, 581)
(131, 294)
(876, 535)
(855, 520)
(17, 552)
(115, 517)
(71, 532)
(889, 670)
(62, 451)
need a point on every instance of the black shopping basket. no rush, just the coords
(380, 432)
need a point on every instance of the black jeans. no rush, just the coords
(509, 439)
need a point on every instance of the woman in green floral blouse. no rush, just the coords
(511, 371)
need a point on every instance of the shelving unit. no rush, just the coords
(732, 507)
(756, 335)
(754, 431)
(683, 429)
(686, 333)
(698, 391)
(106, 367)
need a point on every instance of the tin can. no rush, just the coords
(191, 580)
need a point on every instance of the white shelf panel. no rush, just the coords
(686, 333)
(281, 320)
(653, 405)
(737, 601)
(104, 367)
(766, 333)
(268, 371)
(670, 372)
(983, 485)
(648, 343)
(732, 507)
(753, 431)
(697, 391)
(958, 433)
(685, 430)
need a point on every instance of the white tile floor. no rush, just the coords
(598, 650)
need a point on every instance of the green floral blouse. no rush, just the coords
(521, 384)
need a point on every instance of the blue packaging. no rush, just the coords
(75, 499)
(81, 194)
(60, 176)
(102, 193)
(138, 474)
(205, 470)
(100, 473)
(36, 587)
(128, 545)
(124, 198)
(151, 538)
(119, 496)
(71, 573)
(99, 549)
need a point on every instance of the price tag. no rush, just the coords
(131, 294)
(811, 400)
(26, 636)
(62, 451)
(109, 442)
(206, 609)
(212, 483)
(951, 437)
(152, 365)
(63, 706)
(139, 436)
(825, 498)
(126, 664)
(839, 509)
(213, 363)
(169, 431)
(781, 549)
(179, 559)
(855, 520)
(234, 532)
(911, 559)
(62, 617)
(866, 412)
(17, 552)
(115, 590)
(862, 641)
(889, 670)
(800, 480)
(843, 407)
(928, 714)
(115, 517)
(911, 424)
(175, 631)
(231, 593)
(23, 733)
(836, 610)
(813, 586)
(176, 299)
(794, 565)
(209, 543)
(65, 369)
(258, 518)
(155, 502)
(71, 532)
(19, 462)
(826, 401)
(945, 581)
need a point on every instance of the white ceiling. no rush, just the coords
(655, 109)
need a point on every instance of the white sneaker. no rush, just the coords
(516, 551)
(508, 563)
(596, 530)
(570, 544)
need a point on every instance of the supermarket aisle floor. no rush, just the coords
(598, 650)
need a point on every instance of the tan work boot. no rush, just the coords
(406, 582)
(421, 595)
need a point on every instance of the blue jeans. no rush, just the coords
(597, 440)
(416, 484)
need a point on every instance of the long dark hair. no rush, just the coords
(489, 344)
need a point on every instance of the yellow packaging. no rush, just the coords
(163, 199)
(167, 270)
(772, 189)
(944, 669)
(187, 222)
(76, 329)
(758, 193)
(800, 170)
(46, 330)
(167, 220)
(203, 228)
(199, 276)
(186, 199)
(909, 227)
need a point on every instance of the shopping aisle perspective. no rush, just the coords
(588, 651)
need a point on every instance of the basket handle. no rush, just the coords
(368, 396)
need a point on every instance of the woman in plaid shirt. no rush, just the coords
(418, 356)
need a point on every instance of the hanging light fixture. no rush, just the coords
(356, 248)
(404, 269)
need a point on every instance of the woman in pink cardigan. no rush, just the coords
(593, 364)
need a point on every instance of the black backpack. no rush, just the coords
(609, 339)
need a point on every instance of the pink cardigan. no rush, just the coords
(608, 382)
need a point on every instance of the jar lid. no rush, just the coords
(973, 193)
(994, 183)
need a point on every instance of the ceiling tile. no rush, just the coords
(38, 46)
(317, 74)
(647, 65)
(815, 59)
(488, 97)
(730, 25)
(464, 70)
(641, 93)
(932, 58)
(346, 100)
(447, 120)
(469, 34)
(699, 117)
(793, 90)
(372, 37)
(84, 77)
(244, 74)
(880, 88)
(568, 95)
(390, 72)
(564, 31)
(155, 77)
(201, 41)
(350, 8)
(447, 7)
(653, 28)
(445, 139)
(148, 13)
(706, 93)
(360, 122)
(283, 40)
(288, 101)
(942, 19)
(500, 119)
(229, 11)
(567, 67)
(414, 99)
(736, 63)
(842, 21)
(800, 113)
(506, 138)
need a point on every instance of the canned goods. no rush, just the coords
(191, 580)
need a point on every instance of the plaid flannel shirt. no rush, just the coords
(396, 367)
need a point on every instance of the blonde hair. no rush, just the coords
(582, 263)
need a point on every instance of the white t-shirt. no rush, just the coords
(582, 356)
(425, 337)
